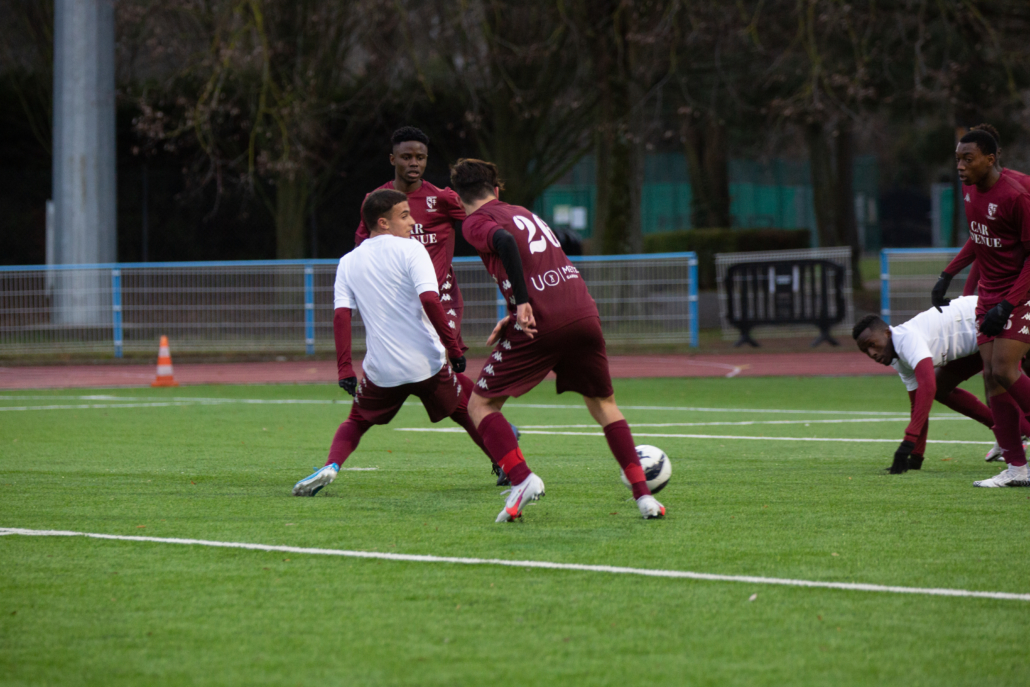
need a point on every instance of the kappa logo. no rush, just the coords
(991, 209)
(497, 356)
(482, 383)
(445, 297)
(512, 299)
(1026, 316)
(506, 345)
(1024, 330)
(446, 285)
(452, 313)
(450, 323)
(488, 369)
(431, 203)
(505, 284)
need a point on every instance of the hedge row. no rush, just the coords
(707, 242)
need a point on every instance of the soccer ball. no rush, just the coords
(657, 468)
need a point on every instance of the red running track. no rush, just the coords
(843, 364)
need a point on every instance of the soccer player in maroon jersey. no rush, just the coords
(553, 324)
(974, 271)
(998, 210)
(438, 213)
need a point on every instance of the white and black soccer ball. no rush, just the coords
(657, 468)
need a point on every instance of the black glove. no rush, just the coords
(458, 364)
(900, 464)
(915, 462)
(937, 295)
(349, 384)
(995, 319)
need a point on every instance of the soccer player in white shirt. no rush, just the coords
(933, 353)
(392, 282)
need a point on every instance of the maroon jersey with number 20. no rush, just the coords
(556, 291)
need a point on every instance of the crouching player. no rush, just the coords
(933, 353)
(392, 282)
(555, 326)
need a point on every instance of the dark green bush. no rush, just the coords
(707, 242)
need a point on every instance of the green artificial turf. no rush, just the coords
(83, 611)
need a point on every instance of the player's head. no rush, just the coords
(997, 139)
(975, 156)
(409, 153)
(475, 180)
(873, 337)
(386, 212)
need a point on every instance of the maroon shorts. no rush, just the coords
(1018, 326)
(440, 394)
(576, 353)
(453, 305)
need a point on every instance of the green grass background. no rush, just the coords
(76, 611)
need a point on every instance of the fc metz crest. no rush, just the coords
(431, 202)
(991, 209)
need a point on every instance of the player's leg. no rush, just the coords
(620, 441)
(1009, 391)
(462, 417)
(949, 376)
(504, 448)
(583, 368)
(372, 405)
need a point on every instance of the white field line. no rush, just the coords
(547, 565)
(183, 400)
(698, 436)
(840, 421)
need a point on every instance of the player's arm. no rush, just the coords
(343, 302)
(507, 250)
(423, 276)
(972, 280)
(362, 232)
(921, 400)
(964, 258)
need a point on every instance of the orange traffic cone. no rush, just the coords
(164, 366)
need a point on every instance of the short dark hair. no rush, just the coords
(989, 129)
(409, 133)
(474, 179)
(868, 322)
(379, 204)
(984, 141)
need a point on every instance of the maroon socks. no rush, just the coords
(346, 439)
(503, 447)
(620, 441)
(1007, 416)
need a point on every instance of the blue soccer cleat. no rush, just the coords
(312, 484)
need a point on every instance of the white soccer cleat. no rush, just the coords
(650, 508)
(995, 454)
(1011, 477)
(531, 489)
(312, 484)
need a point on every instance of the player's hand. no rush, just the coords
(937, 295)
(495, 335)
(996, 318)
(900, 463)
(458, 363)
(349, 384)
(525, 319)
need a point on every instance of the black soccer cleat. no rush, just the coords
(502, 479)
(915, 462)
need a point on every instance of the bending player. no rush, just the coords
(437, 213)
(998, 209)
(933, 353)
(391, 281)
(556, 327)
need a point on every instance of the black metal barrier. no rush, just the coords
(785, 292)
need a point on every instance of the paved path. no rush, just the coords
(835, 364)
